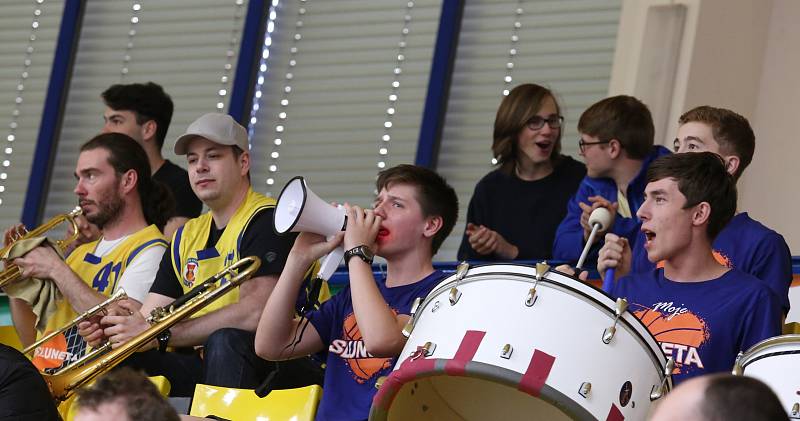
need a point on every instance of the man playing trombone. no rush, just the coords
(116, 193)
(238, 225)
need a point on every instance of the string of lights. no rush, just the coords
(383, 143)
(13, 125)
(283, 115)
(230, 54)
(512, 54)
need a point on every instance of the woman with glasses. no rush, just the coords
(515, 209)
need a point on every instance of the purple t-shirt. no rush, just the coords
(702, 325)
(747, 245)
(351, 371)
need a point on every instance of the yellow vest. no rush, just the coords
(193, 263)
(99, 273)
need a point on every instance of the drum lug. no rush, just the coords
(541, 269)
(436, 306)
(410, 324)
(585, 388)
(619, 309)
(531, 299)
(379, 382)
(455, 295)
(506, 352)
(795, 410)
(659, 390)
(423, 351)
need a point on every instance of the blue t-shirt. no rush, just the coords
(351, 371)
(702, 325)
(569, 242)
(747, 245)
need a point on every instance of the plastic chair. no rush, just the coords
(243, 404)
(8, 336)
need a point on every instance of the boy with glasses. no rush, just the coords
(617, 145)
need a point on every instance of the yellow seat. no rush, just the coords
(8, 336)
(243, 404)
(68, 410)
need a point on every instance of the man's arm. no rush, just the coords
(276, 328)
(24, 320)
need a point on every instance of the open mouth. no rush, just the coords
(544, 145)
(383, 232)
(649, 235)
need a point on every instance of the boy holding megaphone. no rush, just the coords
(361, 326)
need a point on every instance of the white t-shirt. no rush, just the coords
(140, 272)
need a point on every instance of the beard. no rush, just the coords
(108, 210)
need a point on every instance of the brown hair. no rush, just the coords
(521, 104)
(624, 118)
(124, 153)
(730, 130)
(701, 177)
(435, 196)
(729, 397)
(131, 389)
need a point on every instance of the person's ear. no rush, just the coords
(614, 148)
(701, 213)
(149, 129)
(732, 164)
(432, 225)
(128, 181)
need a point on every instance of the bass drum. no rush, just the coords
(517, 342)
(773, 361)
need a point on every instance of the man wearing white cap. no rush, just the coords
(238, 225)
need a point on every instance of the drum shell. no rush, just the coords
(564, 326)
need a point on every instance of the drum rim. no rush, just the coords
(642, 334)
(750, 355)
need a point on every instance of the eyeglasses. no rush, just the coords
(582, 144)
(536, 122)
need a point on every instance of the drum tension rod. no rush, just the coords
(585, 388)
(410, 323)
(461, 272)
(659, 390)
(541, 269)
(795, 410)
(619, 308)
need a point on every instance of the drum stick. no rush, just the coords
(600, 219)
(608, 281)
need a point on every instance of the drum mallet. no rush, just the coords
(599, 220)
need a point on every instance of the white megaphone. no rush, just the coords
(300, 210)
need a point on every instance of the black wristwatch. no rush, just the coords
(163, 340)
(361, 251)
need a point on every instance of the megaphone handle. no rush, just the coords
(588, 246)
(608, 280)
(330, 263)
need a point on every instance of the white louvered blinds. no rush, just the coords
(26, 62)
(567, 45)
(182, 45)
(345, 62)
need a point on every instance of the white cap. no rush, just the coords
(216, 127)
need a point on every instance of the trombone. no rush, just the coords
(100, 308)
(64, 383)
(12, 273)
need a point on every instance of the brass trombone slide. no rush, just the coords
(12, 272)
(64, 383)
(100, 308)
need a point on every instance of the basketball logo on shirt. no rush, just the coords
(679, 332)
(189, 271)
(363, 365)
(722, 259)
